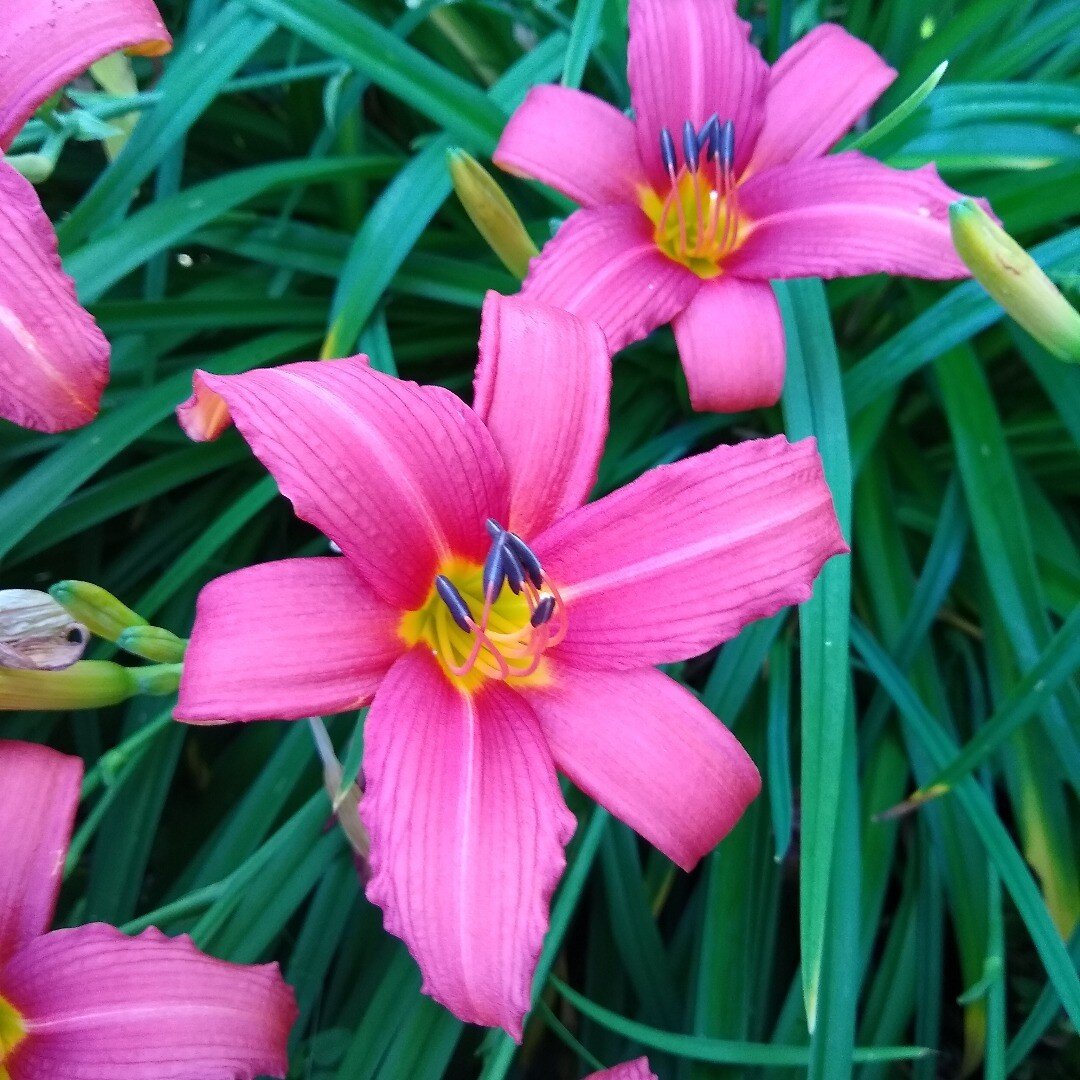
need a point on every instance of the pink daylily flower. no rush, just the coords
(54, 361)
(491, 658)
(718, 186)
(90, 1003)
(631, 1070)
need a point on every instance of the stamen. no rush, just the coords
(495, 530)
(515, 572)
(525, 555)
(726, 144)
(690, 146)
(667, 156)
(706, 140)
(667, 152)
(495, 570)
(455, 603)
(543, 611)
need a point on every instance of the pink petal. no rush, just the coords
(646, 749)
(731, 343)
(688, 60)
(44, 44)
(602, 265)
(684, 557)
(817, 90)
(467, 829)
(102, 1006)
(284, 640)
(400, 476)
(632, 1070)
(575, 143)
(542, 388)
(54, 361)
(846, 215)
(39, 794)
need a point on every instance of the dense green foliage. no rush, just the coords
(287, 184)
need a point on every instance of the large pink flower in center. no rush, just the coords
(719, 185)
(54, 361)
(499, 627)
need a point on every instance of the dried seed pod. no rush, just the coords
(37, 633)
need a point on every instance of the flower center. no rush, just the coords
(12, 1032)
(493, 621)
(697, 221)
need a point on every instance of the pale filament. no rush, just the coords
(711, 195)
(499, 647)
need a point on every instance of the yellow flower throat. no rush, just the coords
(12, 1032)
(495, 633)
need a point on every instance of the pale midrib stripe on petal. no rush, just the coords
(22, 334)
(668, 560)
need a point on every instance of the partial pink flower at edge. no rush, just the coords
(720, 185)
(54, 361)
(631, 1070)
(466, 730)
(94, 1003)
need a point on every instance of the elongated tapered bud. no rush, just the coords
(1013, 278)
(96, 608)
(153, 643)
(89, 684)
(491, 212)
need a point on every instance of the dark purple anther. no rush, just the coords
(726, 146)
(495, 569)
(543, 611)
(667, 151)
(530, 563)
(707, 136)
(690, 146)
(454, 601)
(515, 572)
(495, 530)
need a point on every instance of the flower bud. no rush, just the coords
(491, 212)
(153, 643)
(89, 684)
(37, 168)
(1013, 278)
(96, 608)
(36, 633)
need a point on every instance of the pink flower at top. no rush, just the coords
(632, 1070)
(92, 1004)
(499, 627)
(718, 185)
(54, 361)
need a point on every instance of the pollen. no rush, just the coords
(489, 622)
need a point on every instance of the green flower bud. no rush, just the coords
(491, 212)
(153, 643)
(1013, 278)
(37, 168)
(96, 608)
(89, 684)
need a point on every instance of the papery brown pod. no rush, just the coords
(36, 633)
